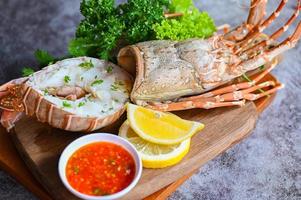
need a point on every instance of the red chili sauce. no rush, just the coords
(100, 168)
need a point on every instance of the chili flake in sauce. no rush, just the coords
(100, 168)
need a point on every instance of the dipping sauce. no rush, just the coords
(100, 168)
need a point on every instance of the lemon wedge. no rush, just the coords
(160, 127)
(155, 155)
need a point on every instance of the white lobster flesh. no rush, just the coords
(169, 73)
(78, 94)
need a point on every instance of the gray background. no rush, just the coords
(264, 166)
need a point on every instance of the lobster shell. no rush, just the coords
(35, 104)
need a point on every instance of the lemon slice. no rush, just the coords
(155, 155)
(159, 127)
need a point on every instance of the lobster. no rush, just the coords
(173, 75)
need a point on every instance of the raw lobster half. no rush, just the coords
(78, 94)
(174, 75)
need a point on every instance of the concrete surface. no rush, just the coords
(264, 166)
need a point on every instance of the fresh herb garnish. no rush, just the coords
(114, 87)
(99, 31)
(96, 191)
(44, 58)
(97, 82)
(193, 23)
(76, 170)
(46, 92)
(87, 65)
(109, 69)
(104, 25)
(27, 71)
(120, 83)
(139, 17)
(66, 104)
(67, 79)
(262, 67)
(81, 104)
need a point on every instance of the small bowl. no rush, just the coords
(92, 138)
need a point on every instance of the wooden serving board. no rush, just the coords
(40, 146)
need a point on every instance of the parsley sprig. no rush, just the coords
(105, 25)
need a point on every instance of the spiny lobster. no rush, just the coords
(174, 75)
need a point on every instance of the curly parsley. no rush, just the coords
(193, 23)
(99, 31)
(104, 25)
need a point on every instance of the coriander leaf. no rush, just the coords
(96, 191)
(114, 87)
(87, 65)
(76, 170)
(67, 79)
(262, 67)
(109, 69)
(27, 71)
(66, 104)
(43, 57)
(46, 92)
(97, 82)
(81, 104)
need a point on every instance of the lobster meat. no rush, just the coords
(190, 74)
(78, 94)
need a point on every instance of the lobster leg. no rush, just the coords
(247, 93)
(257, 11)
(283, 29)
(176, 106)
(260, 28)
(230, 99)
(270, 54)
(256, 14)
(276, 34)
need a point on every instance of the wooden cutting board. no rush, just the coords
(40, 147)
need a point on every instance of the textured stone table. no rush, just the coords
(264, 166)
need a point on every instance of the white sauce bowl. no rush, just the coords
(92, 138)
